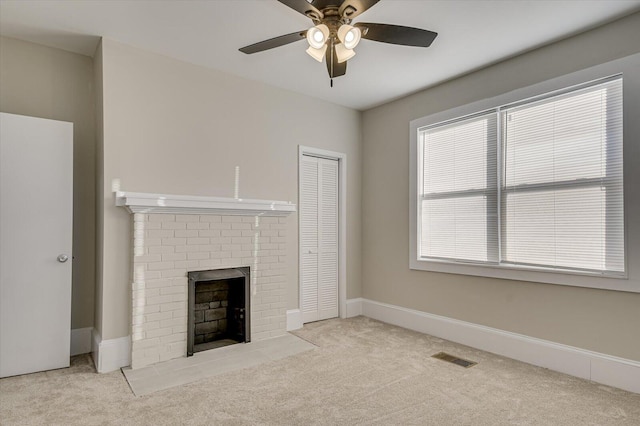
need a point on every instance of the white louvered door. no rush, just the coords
(319, 238)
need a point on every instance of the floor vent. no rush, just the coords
(454, 359)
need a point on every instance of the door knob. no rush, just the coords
(63, 258)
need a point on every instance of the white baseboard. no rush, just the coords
(294, 319)
(81, 340)
(110, 355)
(354, 307)
(601, 368)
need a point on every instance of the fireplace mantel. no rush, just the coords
(139, 202)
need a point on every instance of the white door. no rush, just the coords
(318, 238)
(36, 209)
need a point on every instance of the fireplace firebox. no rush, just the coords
(218, 308)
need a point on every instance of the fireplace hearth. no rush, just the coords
(218, 308)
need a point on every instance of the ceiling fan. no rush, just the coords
(333, 37)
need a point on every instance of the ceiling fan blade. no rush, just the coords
(352, 8)
(334, 68)
(396, 34)
(304, 7)
(274, 42)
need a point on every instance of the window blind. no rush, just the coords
(535, 184)
(458, 190)
(562, 184)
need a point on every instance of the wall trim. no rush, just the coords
(110, 355)
(81, 340)
(294, 319)
(598, 367)
(354, 307)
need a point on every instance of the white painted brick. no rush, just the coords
(174, 225)
(152, 225)
(159, 332)
(171, 322)
(150, 325)
(241, 240)
(173, 273)
(153, 242)
(210, 218)
(161, 266)
(282, 220)
(174, 256)
(145, 293)
(282, 233)
(209, 233)
(159, 283)
(268, 233)
(197, 241)
(250, 233)
(241, 226)
(146, 343)
(158, 316)
(171, 306)
(231, 219)
(222, 226)
(220, 240)
(187, 218)
(187, 249)
(180, 328)
(145, 310)
(186, 264)
(178, 297)
(241, 254)
(209, 263)
(173, 290)
(161, 249)
(147, 258)
(174, 337)
(278, 240)
(174, 241)
(159, 233)
(189, 233)
(198, 226)
(231, 233)
(180, 313)
(198, 255)
(158, 300)
(161, 217)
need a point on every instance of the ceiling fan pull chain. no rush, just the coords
(331, 82)
(332, 54)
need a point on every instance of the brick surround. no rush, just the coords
(167, 246)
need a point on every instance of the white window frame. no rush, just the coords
(628, 282)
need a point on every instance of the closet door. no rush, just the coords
(319, 238)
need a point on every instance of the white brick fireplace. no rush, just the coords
(174, 235)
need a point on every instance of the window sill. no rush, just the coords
(537, 275)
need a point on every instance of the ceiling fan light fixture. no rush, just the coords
(343, 54)
(349, 36)
(317, 36)
(317, 54)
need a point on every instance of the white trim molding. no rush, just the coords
(81, 340)
(139, 202)
(294, 319)
(354, 307)
(110, 355)
(342, 223)
(601, 368)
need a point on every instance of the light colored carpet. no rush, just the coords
(363, 373)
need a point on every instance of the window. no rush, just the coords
(534, 184)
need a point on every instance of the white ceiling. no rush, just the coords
(472, 34)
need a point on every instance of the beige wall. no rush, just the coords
(50, 83)
(176, 128)
(598, 320)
